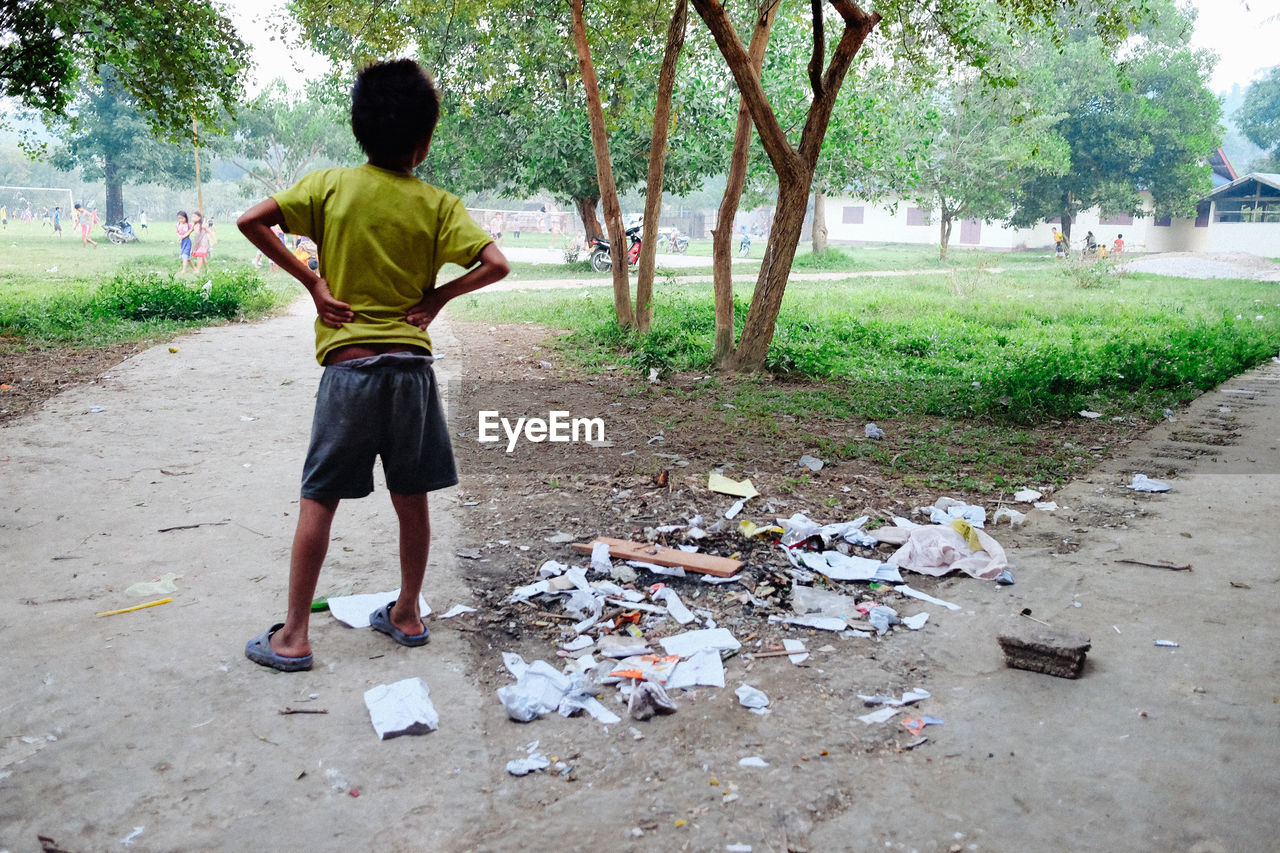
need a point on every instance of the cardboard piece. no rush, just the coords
(663, 556)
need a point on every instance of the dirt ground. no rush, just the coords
(150, 730)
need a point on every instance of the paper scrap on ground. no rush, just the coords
(917, 694)
(669, 571)
(752, 698)
(1027, 496)
(883, 715)
(809, 601)
(691, 642)
(600, 561)
(701, 669)
(821, 623)
(752, 761)
(534, 761)
(712, 579)
(457, 610)
(1046, 506)
(843, 567)
(1141, 483)
(915, 623)
(162, 586)
(947, 510)
(1015, 517)
(354, 610)
(732, 512)
(924, 596)
(401, 708)
(540, 689)
(725, 486)
(813, 463)
(796, 646)
(675, 607)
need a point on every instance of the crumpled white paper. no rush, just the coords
(703, 668)
(540, 689)
(401, 708)
(1143, 483)
(707, 639)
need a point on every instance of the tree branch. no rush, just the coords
(819, 49)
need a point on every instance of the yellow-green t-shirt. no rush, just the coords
(382, 238)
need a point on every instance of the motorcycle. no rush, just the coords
(601, 261)
(121, 232)
(679, 244)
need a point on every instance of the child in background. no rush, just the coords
(85, 221)
(184, 240)
(1118, 246)
(199, 242)
(383, 236)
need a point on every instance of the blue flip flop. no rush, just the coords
(259, 651)
(380, 620)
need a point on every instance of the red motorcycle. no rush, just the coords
(601, 261)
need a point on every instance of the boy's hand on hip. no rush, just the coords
(425, 311)
(331, 311)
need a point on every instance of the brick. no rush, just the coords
(1039, 648)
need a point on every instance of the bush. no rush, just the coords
(225, 295)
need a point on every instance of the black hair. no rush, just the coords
(183, 214)
(394, 108)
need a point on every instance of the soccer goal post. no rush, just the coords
(16, 198)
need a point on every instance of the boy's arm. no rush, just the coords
(256, 224)
(492, 267)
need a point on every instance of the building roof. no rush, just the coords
(1271, 179)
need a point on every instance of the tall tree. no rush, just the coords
(177, 59)
(1147, 123)
(107, 136)
(1259, 116)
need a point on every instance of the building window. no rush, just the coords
(1164, 222)
(916, 216)
(852, 215)
(1116, 220)
(1202, 217)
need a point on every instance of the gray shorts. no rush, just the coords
(385, 405)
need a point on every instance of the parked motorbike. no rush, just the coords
(121, 232)
(601, 261)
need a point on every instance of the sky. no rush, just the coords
(1238, 30)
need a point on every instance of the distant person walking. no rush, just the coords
(57, 221)
(4, 217)
(142, 220)
(184, 239)
(495, 229)
(85, 221)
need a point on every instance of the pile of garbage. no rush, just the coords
(623, 629)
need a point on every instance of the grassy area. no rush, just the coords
(1018, 346)
(53, 291)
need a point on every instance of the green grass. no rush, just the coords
(54, 292)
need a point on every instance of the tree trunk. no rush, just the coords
(657, 165)
(604, 174)
(115, 190)
(722, 234)
(587, 213)
(944, 236)
(793, 166)
(819, 222)
(1066, 225)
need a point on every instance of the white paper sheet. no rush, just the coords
(707, 639)
(355, 610)
(457, 610)
(924, 596)
(401, 708)
(675, 607)
(701, 669)
(795, 646)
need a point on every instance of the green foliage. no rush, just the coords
(178, 60)
(1259, 115)
(1088, 272)
(1018, 348)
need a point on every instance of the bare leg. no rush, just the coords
(415, 541)
(310, 544)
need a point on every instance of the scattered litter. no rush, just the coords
(732, 512)
(1005, 578)
(712, 579)
(1042, 648)
(1046, 506)
(160, 587)
(752, 699)
(725, 486)
(796, 646)
(354, 610)
(559, 539)
(752, 761)
(916, 622)
(821, 623)
(707, 639)
(1027, 496)
(1015, 517)
(916, 725)
(578, 643)
(401, 708)
(675, 607)
(873, 431)
(1167, 644)
(1085, 413)
(1143, 483)
(321, 602)
(882, 618)
(737, 848)
(947, 510)
(128, 840)
(647, 699)
(924, 596)
(881, 716)
(844, 567)
(668, 571)
(457, 610)
(703, 668)
(918, 694)
(806, 600)
(533, 762)
(920, 741)
(942, 548)
(813, 463)
(600, 561)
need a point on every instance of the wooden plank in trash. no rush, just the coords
(721, 567)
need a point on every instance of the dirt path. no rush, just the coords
(154, 719)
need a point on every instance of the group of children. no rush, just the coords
(196, 237)
(1091, 245)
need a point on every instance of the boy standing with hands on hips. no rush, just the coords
(383, 236)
